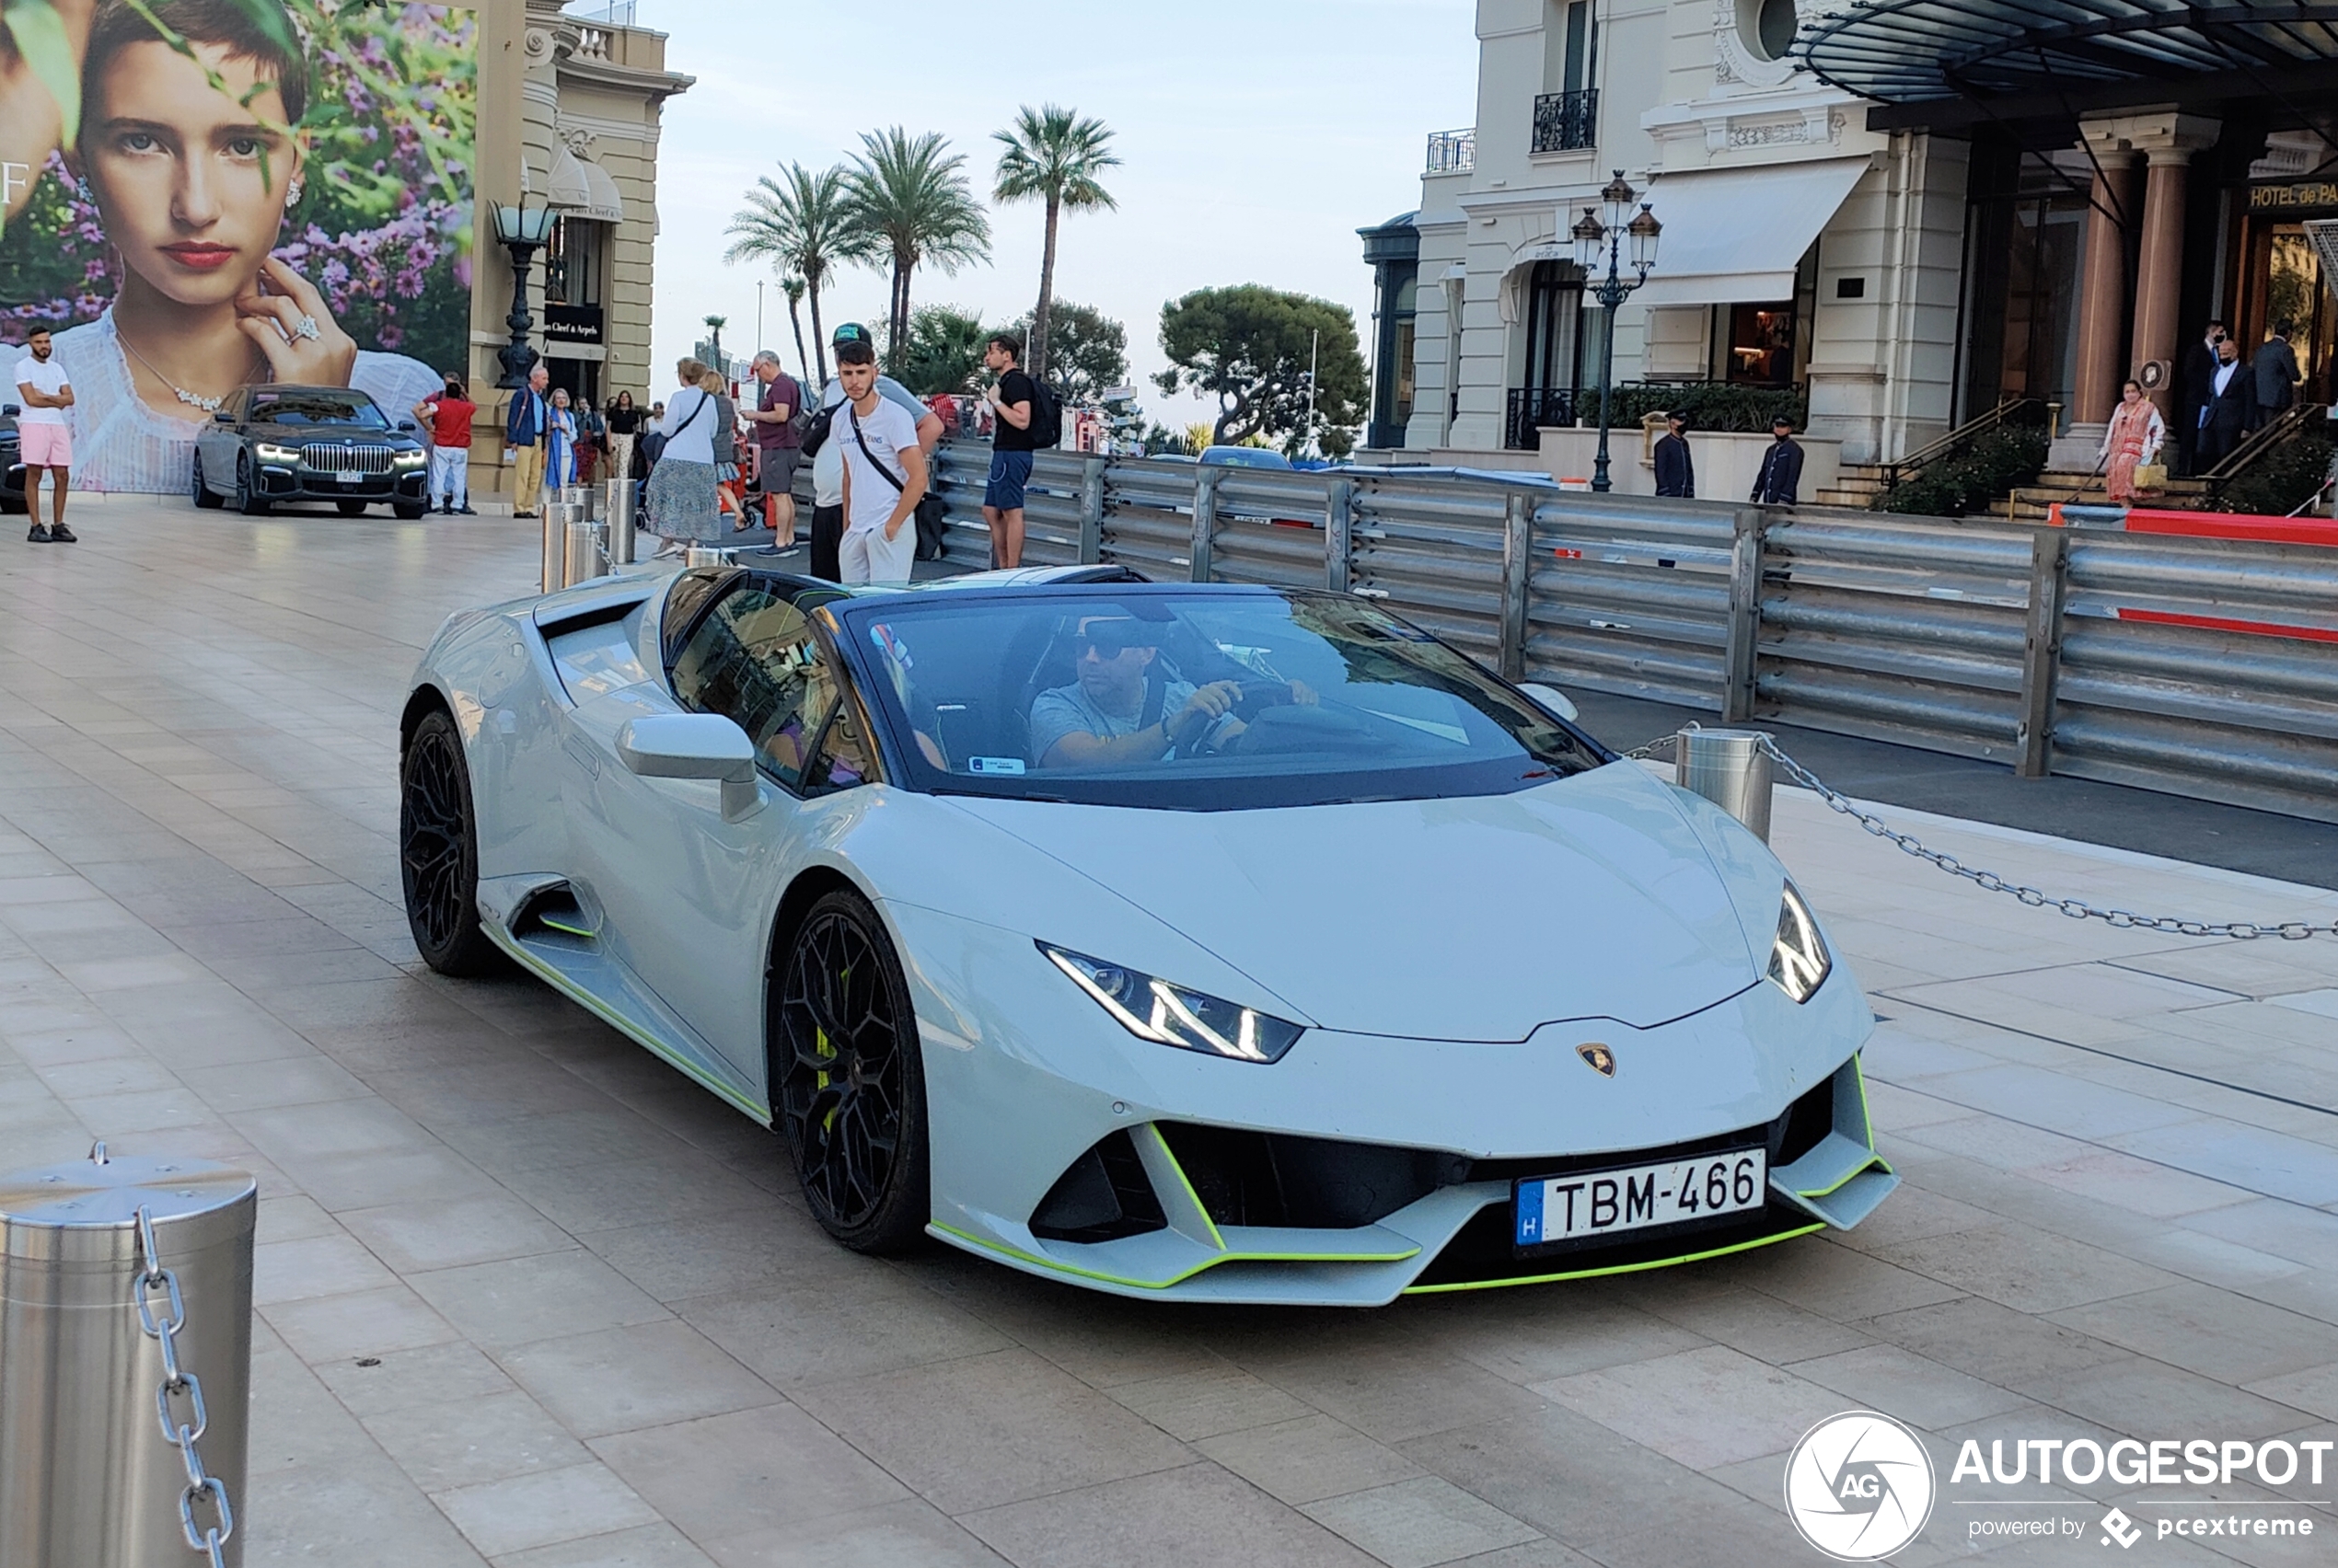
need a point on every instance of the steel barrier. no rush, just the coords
(2203, 667)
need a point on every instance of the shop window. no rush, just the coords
(1761, 349)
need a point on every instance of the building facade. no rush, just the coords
(1854, 211)
(569, 108)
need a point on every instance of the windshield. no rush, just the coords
(317, 409)
(1195, 700)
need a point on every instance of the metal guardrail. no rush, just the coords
(2201, 667)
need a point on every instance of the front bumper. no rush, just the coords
(283, 481)
(1027, 1082)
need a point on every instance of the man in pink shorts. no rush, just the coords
(44, 430)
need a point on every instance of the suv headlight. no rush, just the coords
(1173, 1015)
(269, 451)
(409, 459)
(1798, 959)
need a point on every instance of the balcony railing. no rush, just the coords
(1565, 122)
(1450, 152)
(1531, 408)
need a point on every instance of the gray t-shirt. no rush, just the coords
(1069, 710)
(827, 463)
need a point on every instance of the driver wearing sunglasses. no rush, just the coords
(1120, 709)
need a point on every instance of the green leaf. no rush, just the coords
(39, 35)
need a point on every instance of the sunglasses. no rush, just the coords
(1106, 644)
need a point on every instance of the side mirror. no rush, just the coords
(695, 745)
(1550, 698)
(224, 416)
(409, 426)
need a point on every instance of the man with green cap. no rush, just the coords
(827, 463)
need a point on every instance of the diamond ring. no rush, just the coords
(306, 328)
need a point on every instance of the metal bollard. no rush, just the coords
(1730, 768)
(92, 1472)
(584, 547)
(554, 575)
(619, 509)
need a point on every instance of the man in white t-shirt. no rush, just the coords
(885, 473)
(44, 432)
(827, 463)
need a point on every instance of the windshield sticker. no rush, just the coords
(994, 765)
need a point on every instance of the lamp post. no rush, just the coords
(1591, 237)
(522, 228)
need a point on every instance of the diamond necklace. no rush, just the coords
(193, 400)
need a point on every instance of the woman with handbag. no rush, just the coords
(2131, 445)
(624, 424)
(684, 508)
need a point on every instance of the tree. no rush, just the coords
(803, 224)
(793, 287)
(909, 196)
(1052, 156)
(943, 349)
(715, 325)
(1091, 351)
(1249, 346)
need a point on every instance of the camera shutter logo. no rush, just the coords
(1858, 1486)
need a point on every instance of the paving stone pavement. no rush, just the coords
(527, 1296)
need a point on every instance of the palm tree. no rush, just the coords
(1054, 156)
(793, 287)
(909, 195)
(715, 325)
(803, 222)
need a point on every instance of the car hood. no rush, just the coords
(1477, 918)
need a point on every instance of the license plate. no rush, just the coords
(1594, 1205)
(349, 477)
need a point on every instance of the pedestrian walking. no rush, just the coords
(2131, 440)
(2275, 371)
(728, 490)
(2231, 409)
(1014, 398)
(449, 423)
(624, 430)
(559, 452)
(828, 459)
(44, 434)
(1781, 470)
(683, 507)
(527, 437)
(885, 474)
(1675, 469)
(779, 442)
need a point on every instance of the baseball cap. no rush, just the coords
(851, 332)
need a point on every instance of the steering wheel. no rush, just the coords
(1258, 695)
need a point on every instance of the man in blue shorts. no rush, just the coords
(1012, 397)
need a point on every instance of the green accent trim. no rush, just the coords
(1619, 1269)
(610, 1016)
(551, 924)
(1059, 1267)
(1858, 1077)
(1874, 1160)
(1216, 1239)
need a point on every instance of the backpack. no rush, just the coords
(1046, 415)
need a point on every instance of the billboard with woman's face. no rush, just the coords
(246, 190)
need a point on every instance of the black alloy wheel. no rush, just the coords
(849, 1081)
(248, 500)
(205, 496)
(438, 852)
(351, 508)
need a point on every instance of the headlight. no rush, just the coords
(1171, 1015)
(1798, 959)
(409, 459)
(269, 451)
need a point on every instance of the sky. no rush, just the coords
(1255, 139)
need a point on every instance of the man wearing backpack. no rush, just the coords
(1020, 406)
(828, 457)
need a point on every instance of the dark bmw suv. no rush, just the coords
(274, 443)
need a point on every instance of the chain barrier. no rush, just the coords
(1989, 882)
(178, 1382)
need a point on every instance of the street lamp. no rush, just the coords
(522, 228)
(1591, 237)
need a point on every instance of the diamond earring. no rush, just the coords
(291, 193)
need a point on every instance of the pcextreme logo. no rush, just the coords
(1858, 1486)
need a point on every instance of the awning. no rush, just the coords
(582, 188)
(1913, 51)
(1735, 236)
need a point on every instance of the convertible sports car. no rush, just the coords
(1217, 942)
(274, 442)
